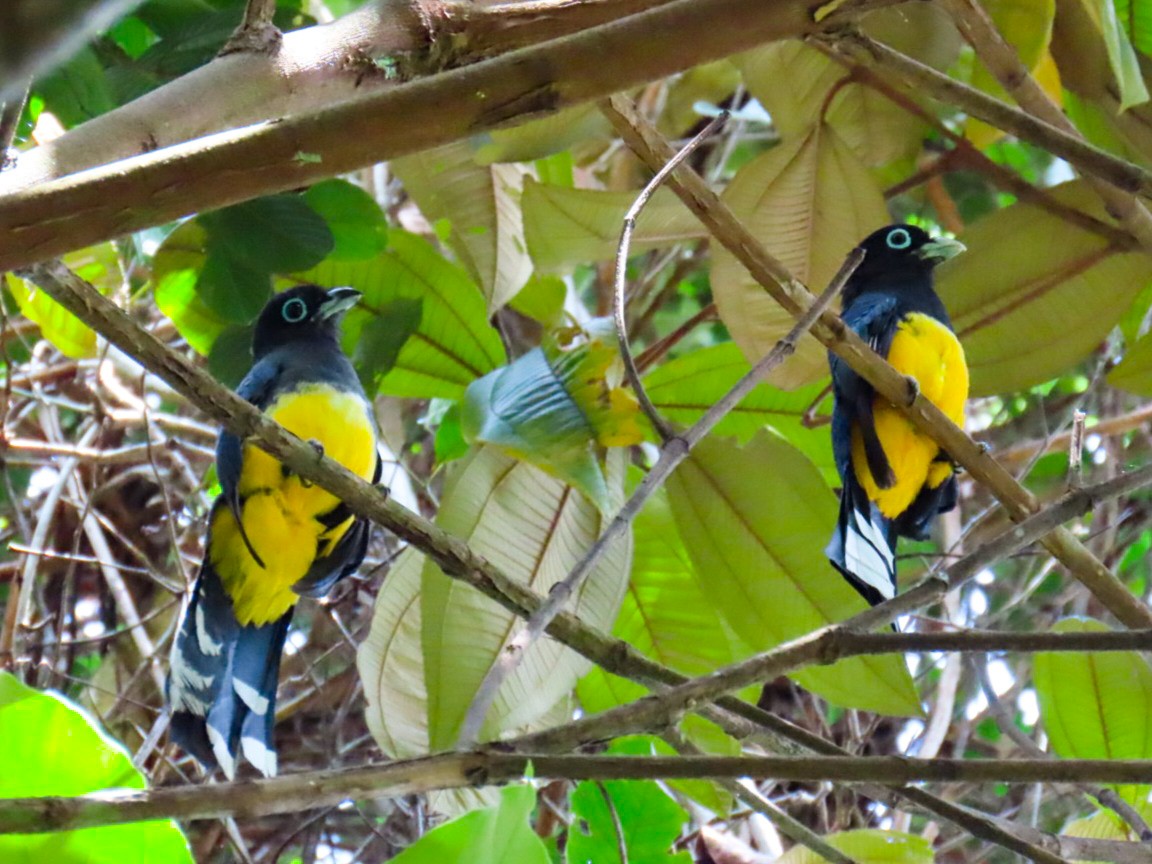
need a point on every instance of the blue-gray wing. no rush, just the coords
(257, 387)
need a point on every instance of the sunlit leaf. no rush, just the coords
(492, 835)
(709, 83)
(48, 746)
(868, 846)
(1016, 297)
(1121, 56)
(542, 299)
(1027, 26)
(810, 201)
(755, 521)
(556, 409)
(565, 226)
(1135, 19)
(684, 388)
(482, 204)
(1134, 373)
(584, 125)
(534, 528)
(175, 269)
(453, 345)
(98, 265)
(649, 821)
(1096, 705)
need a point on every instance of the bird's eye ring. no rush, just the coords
(294, 311)
(898, 238)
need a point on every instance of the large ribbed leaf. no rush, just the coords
(391, 663)
(453, 343)
(535, 528)
(684, 388)
(566, 226)
(810, 201)
(755, 521)
(482, 203)
(1017, 297)
(1096, 706)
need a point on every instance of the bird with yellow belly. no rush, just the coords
(272, 536)
(894, 478)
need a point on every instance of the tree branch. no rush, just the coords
(227, 167)
(486, 767)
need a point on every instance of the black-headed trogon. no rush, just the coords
(271, 536)
(894, 478)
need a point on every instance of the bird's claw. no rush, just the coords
(913, 389)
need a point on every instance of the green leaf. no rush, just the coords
(811, 201)
(1134, 373)
(1121, 58)
(583, 125)
(230, 288)
(276, 234)
(48, 746)
(1096, 705)
(709, 83)
(1135, 20)
(231, 355)
(684, 388)
(1017, 295)
(382, 338)
(78, 90)
(175, 270)
(564, 227)
(359, 229)
(482, 203)
(99, 265)
(650, 821)
(755, 521)
(534, 528)
(493, 835)
(453, 344)
(555, 409)
(542, 299)
(868, 846)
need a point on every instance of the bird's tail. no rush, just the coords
(863, 546)
(222, 680)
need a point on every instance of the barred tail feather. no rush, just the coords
(863, 546)
(222, 681)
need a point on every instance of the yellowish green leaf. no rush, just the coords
(868, 846)
(710, 83)
(755, 521)
(583, 126)
(1096, 705)
(810, 201)
(565, 226)
(533, 527)
(1017, 295)
(482, 204)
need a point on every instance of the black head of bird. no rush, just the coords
(899, 256)
(303, 313)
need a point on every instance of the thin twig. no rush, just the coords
(1076, 451)
(674, 451)
(622, 250)
(9, 123)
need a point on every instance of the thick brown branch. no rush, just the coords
(228, 167)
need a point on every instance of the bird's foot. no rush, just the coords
(913, 390)
(319, 448)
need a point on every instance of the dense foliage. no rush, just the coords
(486, 267)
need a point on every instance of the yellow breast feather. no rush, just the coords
(926, 350)
(281, 513)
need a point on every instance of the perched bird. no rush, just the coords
(894, 478)
(271, 535)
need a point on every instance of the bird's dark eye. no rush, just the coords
(898, 238)
(294, 311)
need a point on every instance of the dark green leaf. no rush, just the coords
(355, 219)
(379, 342)
(230, 289)
(277, 234)
(231, 355)
(78, 90)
